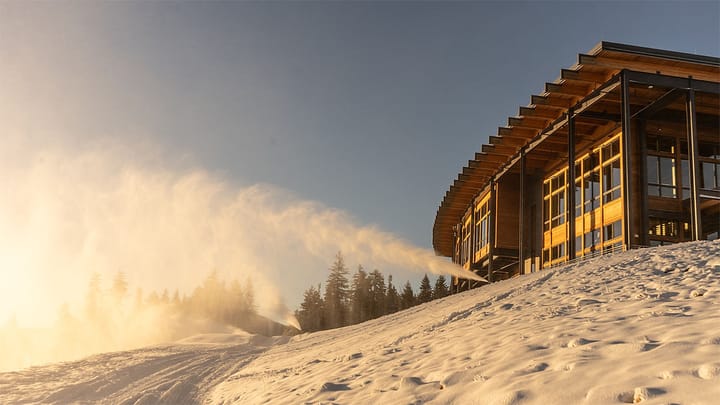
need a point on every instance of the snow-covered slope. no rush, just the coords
(640, 326)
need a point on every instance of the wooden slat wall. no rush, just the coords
(507, 206)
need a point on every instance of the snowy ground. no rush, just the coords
(641, 326)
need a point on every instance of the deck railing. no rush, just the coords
(606, 251)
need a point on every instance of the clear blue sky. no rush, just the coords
(369, 107)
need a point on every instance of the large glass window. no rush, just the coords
(710, 174)
(554, 203)
(557, 251)
(592, 239)
(663, 227)
(591, 190)
(598, 182)
(685, 174)
(466, 240)
(661, 176)
(611, 181)
(558, 209)
(482, 218)
(612, 231)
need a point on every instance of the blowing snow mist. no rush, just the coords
(72, 214)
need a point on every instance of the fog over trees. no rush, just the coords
(115, 316)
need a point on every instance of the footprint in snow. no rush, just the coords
(332, 387)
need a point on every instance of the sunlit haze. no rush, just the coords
(169, 140)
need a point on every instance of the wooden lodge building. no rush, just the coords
(622, 151)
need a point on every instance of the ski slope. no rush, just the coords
(637, 327)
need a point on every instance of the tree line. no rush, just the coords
(350, 300)
(229, 303)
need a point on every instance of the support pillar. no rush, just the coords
(627, 159)
(491, 230)
(521, 216)
(570, 181)
(472, 238)
(696, 219)
(643, 180)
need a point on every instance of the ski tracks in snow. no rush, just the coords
(169, 374)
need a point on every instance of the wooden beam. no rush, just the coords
(518, 131)
(509, 140)
(496, 140)
(502, 149)
(528, 122)
(567, 89)
(510, 151)
(490, 158)
(528, 111)
(549, 112)
(658, 66)
(550, 102)
(583, 76)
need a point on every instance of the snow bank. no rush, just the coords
(637, 327)
(640, 326)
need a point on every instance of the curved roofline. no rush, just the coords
(592, 72)
(654, 52)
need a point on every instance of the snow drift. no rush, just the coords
(638, 327)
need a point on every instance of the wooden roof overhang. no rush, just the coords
(591, 88)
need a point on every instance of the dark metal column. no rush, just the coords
(693, 156)
(454, 288)
(643, 180)
(491, 230)
(570, 181)
(521, 216)
(627, 154)
(472, 234)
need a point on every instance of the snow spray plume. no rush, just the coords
(76, 211)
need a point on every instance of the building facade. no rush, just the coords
(621, 151)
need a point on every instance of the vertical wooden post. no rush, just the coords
(627, 159)
(521, 216)
(693, 163)
(570, 197)
(454, 288)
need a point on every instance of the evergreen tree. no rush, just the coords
(392, 299)
(336, 294)
(359, 296)
(441, 289)
(425, 294)
(119, 287)
(407, 298)
(376, 300)
(311, 313)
